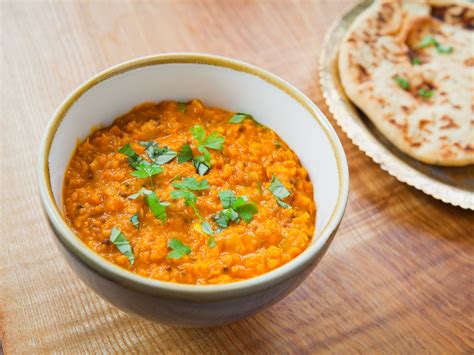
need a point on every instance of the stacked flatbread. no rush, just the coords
(409, 65)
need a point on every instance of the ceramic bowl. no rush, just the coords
(217, 81)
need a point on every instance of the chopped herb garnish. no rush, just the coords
(134, 160)
(158, 155)
(239, 117)
(277, 144)
(191, 183)
(428, 41)
(259, 187)
(178, 249)
(279, 191)
(415, 61)
(211, 242)
(184, 190)
(182, 107)
(135, 221)
(185, 154)
(141, 192)
(235, 208)
(147, 171)
(206, 228)
(157, 207)
(202, 163)
(426, 94)
(403, 83)
(175, 178)
(122, 244)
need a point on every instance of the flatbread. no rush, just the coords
(376, 61)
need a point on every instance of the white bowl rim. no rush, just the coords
(131, 280)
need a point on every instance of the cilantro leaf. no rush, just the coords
(133, 159)
(185, 154)
(178, 249)
(201, 166)
(122, 244)
(198, 133)
(224, 217)
(192, 184)
(183, 191)
(181, 107)
(141, 192)
(135, 221)
(157, 207)
(245, 209)
(227, 198)
(279, 191)
(403, 83)
(206, 228)
(214, 141)
(277, 188)
(158, 155)
(145, 171)
(234, 209)
(239, 117)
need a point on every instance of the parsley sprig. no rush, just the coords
(234, 209)
(214, 141)
(122, 244)
(158, 155)
(135, 221)
(279, 191)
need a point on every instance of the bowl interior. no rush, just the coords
(113, 94)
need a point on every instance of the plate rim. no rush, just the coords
(370, 145)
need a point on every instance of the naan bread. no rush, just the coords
(375, 61)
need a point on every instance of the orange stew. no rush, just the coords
(190, 194)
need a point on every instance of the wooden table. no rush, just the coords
(397, 278)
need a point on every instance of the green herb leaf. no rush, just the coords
(157, 207)
(198, 133)
(214, 141)
(415, 61)
(279, 191)
(206, 228)
(239, 117)
(192, 184)
(428, 41)
(211, 242)
(158, 155)
(122, 244)
(224, 217)
(245, 209)
(426, 94)
(182, 107)
(403, 83)
(135, 221)
(141, 192)
(178, 249)
(202, 168)
(185, 154)
(133, 159)
(189, 197)
(277, 143)
(145, 171)
(227, 198)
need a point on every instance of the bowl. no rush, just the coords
(217, 81)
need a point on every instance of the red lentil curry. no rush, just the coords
(185, 193)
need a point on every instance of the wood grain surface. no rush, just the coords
(397, 278)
